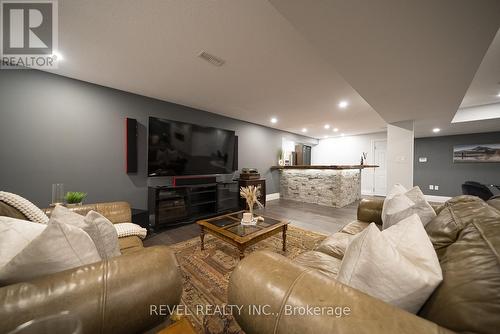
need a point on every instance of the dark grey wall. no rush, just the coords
(59, 130)
(440, 169)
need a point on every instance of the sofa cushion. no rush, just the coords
(354, 227)
(398, 265)
(335, 245)
(130, 244)
(59, 247)
(457, 213)
(370, 210)
(115, 212)
(321, 262)
(466, 235)
(7, 210)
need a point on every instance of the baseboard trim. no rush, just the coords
(273, 196)
(438, 199)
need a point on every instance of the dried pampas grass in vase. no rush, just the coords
(251, 195)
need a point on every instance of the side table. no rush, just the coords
(140, 217)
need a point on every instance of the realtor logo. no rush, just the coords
(28, 34)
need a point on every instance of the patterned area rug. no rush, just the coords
(206, 273)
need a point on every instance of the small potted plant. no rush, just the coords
(74, 198)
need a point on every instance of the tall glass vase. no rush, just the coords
(57, 193)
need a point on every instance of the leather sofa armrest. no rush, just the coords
(283, 292)
(370, 210)
(111, 296)
(116, 212)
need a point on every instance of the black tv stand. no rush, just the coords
(171, 206)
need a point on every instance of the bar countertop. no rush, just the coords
(324, 167)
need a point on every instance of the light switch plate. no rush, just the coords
(431, 187)
(422, 159)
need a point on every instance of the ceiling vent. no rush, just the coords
(211, 58)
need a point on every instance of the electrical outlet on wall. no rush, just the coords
(431, 187)
(436, 187)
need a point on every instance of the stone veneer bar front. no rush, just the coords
(335, 186)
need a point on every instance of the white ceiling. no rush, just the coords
(410, 60)
(151, 47)
(485, 86)
(480, 102)
(285, 58)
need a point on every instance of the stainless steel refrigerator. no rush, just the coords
(303, 153)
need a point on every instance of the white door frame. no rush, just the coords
(374, 141)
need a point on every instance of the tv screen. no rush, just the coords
(177, 148)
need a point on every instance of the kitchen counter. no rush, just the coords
(335, 167)
(334, 185)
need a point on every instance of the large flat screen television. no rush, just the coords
(178, 148)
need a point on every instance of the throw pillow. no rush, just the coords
(415, 194)
(397, 189)
(98, 227)
(30, 210)
(59, 247)
(399, 207)
(104, 234)
(130, 229)
(397, 203)
(15, 234)
(397, 265)
(423, 209)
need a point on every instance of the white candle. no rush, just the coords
(247, 217)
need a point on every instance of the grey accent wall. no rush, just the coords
(440, 169)
(59, 130)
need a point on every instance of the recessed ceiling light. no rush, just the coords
(57, 56)
(343, 104)
(436, 130)
(335, 130)
(274, 120)
(327, 126)
(498, 94)
(304, 130)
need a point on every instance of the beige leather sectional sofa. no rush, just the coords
(466, 237)
(111, 296)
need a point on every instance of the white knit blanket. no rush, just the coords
(30, 210)
(129, 229)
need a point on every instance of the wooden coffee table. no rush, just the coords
(183, 326)
(229, 229)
